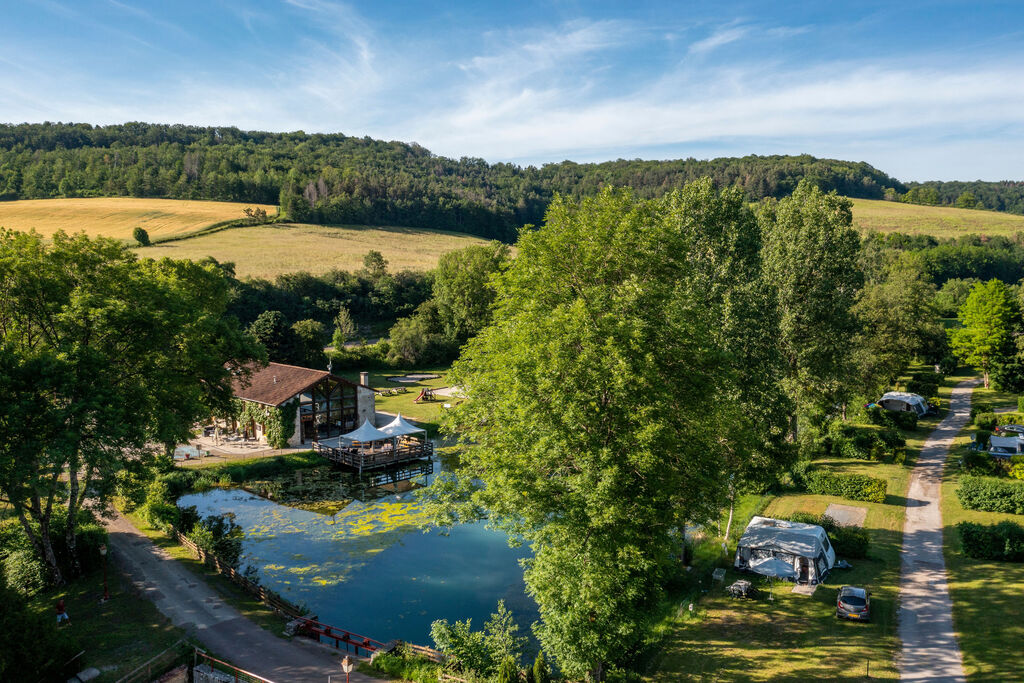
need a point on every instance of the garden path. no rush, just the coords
(189, 602)
(930, 648)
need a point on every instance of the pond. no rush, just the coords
(369, 568)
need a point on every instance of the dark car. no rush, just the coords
(853, 603)
(1005, 430)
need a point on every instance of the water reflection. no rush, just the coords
(367, 567)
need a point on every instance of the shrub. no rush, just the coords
(991, 495)
(985, 421)
(24, 572)
(982, 437)
(927, 376)
(141, 236)
(404, 667)
(980, 408)
(178, 483)
(899, 456)
(541, 672)
(978, 463)
(508, 672)
(926, 389)
(1009, 418)
(1003, 541)
(801, 468)
(948, 365)
(904, 419)
(1020, 404)
(891, 418)
(851, 486)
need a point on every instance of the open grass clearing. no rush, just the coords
(427, 413)
(118, 635)
(117, 216)
(266, 251)
(986, 595)
(938, 221)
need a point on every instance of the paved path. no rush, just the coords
(191, 604)
(930, 648)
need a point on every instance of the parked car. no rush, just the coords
(853, 603)
(1016, 430)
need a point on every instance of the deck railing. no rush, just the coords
(351, 641)
(368, 460)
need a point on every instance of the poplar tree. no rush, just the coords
(811, 260)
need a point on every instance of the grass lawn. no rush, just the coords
(986, 595)
(427, 413)
(267, 251)
(117, 636)
(118, 216)
(249, 606)
(796, 637)
(939, 221)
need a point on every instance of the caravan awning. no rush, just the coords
(400, 427)
(773, 566)
(366, 433)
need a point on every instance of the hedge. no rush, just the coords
(986, 421)
(991, 495)
(851, 486)
(926, 389)
(893, 418)
(849, 542)
(1003, 541)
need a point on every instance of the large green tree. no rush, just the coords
(603, 398)
(811, 259)
(986, 320)
(898, 323)
(102, 355)
(462, 289)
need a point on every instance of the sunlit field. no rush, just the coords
(938, 221)
(271, 250)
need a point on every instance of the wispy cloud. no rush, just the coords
(722, 36)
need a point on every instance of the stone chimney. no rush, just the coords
(364, 379)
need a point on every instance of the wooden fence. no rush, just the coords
(425, 652)
(266, 596)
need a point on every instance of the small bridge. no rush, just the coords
(325, 633)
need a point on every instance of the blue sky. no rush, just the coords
(922, 90)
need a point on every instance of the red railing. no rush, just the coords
(353, 641)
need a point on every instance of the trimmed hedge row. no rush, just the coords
(991, 495)
(849, 542)
(1003, 541)
(851, 486)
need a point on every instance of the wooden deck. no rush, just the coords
(363, 461)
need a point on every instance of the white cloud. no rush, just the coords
(723, 36)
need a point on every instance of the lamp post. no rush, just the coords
(103, 553)
(347, 666)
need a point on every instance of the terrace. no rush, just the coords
(370, 448)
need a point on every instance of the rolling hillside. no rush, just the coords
(938, 221)
(271, 250)
(118, 216)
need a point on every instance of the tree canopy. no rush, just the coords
(102, 355)
(596, 399)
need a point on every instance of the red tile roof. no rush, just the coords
(277, 383)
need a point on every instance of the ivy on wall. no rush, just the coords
(278, 422)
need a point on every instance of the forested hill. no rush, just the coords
(340, 179)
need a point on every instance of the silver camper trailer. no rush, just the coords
(787, 550)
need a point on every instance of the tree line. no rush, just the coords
(334, 178)
(1003, 195)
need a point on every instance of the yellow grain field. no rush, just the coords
(938, 221)
(270, 250)
(118, 216)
